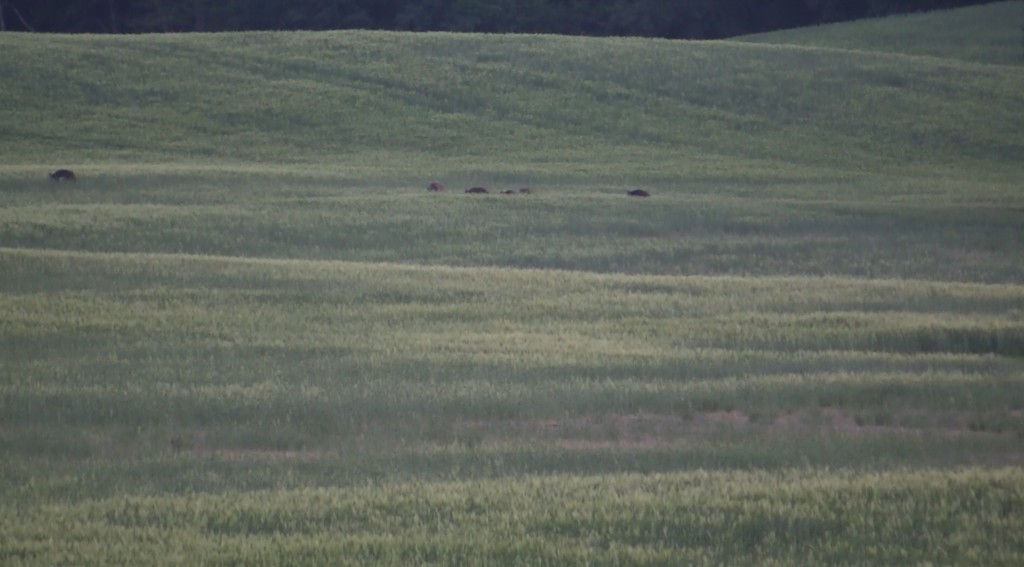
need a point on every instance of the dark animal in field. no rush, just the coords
(508, 192)
(524, 190)
(177, 444)
(476, 190)
(638, 193)
(435, 186)
(63, 175)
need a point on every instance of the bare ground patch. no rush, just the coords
(652, 431)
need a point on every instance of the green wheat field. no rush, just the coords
(248, 334)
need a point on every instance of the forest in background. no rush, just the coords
(677, 19)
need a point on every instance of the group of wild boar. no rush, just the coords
(433, 186)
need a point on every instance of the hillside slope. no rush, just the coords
(990, 33)
(569, 108)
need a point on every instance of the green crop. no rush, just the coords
(248, 334)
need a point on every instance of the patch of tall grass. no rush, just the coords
(298, 353)
(792, 517)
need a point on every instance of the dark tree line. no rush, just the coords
(693, 19)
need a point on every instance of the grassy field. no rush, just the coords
(247, 335)
(990, 33)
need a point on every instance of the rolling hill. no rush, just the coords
(248, 334)
(555, 108)
(990, 33)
